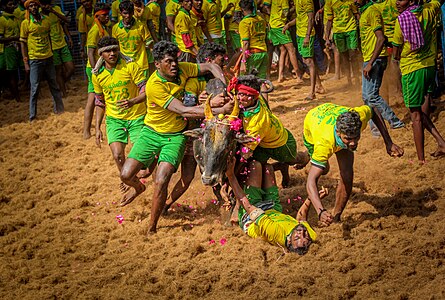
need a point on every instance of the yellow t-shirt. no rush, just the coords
(160, 92)
(57, 33)
(302, 8)
(85, 22)
(94, 36)
(212, 14)
(341, 13)
(278, 13)
(36, 35)
(115, 12)
(154, 14)
(260, 122)
(389, 13)
(198, 30)
(195, 85)
(132, 41)
(274, 227)
(184, 25)
(172, 8)
(141, 14)
(370, 21)
(229, 14)
(253, 29)
(120, 83)
(19, 13)
(319, 129)
(424, 57)
(9, 27)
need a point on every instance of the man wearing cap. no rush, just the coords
(38, 56)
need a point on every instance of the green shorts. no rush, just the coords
(12, 58)
(120, 130)
(2, 61)
(89, 72)
(277, 37)
(345, 41)
(257, 195)
(416, 85)
(286, 153)
(173, 39)
(258, 61)
(236, 40)
(166, 147)
(306, 52)
(62, 55)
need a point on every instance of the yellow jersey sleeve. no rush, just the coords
(370, 22)
(57, 33)
(85, 23)
(172, 8)
(36, 35)
(302, 8)
(253, 29)
(327, 10)
(115, 13)
(365, 113)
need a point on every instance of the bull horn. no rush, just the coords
(235, 111)
(207, 109)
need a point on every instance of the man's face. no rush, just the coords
(9, 7)
(126, 16)
(87, 4)
(187, 4)
(350, 141)
(110, 56)
(197, 4)
(104, 18)
(246, 100)
(168, 67)
(300, 237)
(33, 8)
(402, 5)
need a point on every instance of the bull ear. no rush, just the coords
(207, 109)
(243, 138)
(194, 133)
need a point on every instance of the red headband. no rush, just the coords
(234, 85)
(102, 12)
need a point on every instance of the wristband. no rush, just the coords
(321, 212)
(255, 214)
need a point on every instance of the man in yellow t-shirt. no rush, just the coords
(375, 61)
(279, 35)
(84, 23)
(185, 33)
(342, 19)
(132, 36)
(253, 39)
(115, 15)
(261, 214)
(415, 45)
(97, 31)
(9, 53)
(161, 138)
(63, 60)
(20, 10)
(171, 10)
(154, 18)
(329, 129)
(38, 57)
(212, 14)
(272, 140)
(119, 89)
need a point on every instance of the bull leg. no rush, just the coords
(284, 169)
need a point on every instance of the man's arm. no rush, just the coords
(216, 71)
(100, 112)
(91, 58)
(24, 49)
(171, 23)
(376, 53)
(68, 35)
(196, 111)
(310, 25)
(237, 189)
(62, 17)
(391, 148)
(312, 191)
(152, 30)
(328, 33)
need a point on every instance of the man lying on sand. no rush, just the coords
(262, 215)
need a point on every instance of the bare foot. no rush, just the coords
(303, 158)
(286, 178)
(234, 217)
(123, 187)
(320, 89)
(439, 152)
(334, 78)
(151, 231)
(310, 97)
(131, 195)
(281, 80)
(86, 135)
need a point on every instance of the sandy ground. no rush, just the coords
(59, 236)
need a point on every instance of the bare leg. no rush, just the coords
(337, 67)
(60, 80)
(345, 159)
(118, 151)
(284, 169)
(281, 63)
(293, 59)
(313, 73)
(429, 125)
(163, 175)
(188, 168)
(14, 85)
(345, 66)
(128, 176)
(69, 70)
(88, 116)
(419, 139)
(355, 66)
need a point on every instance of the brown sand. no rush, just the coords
(59, 237)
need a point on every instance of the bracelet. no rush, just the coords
(243, 60)
(321, 212)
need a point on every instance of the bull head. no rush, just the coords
(214, 142)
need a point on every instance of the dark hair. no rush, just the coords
(163, 48)
(100, 6)
(45, 2)
(299, 250)
(3, 3)
(246, 5)
(251, 81)
(126, 6)
(209, 51)
(349, 123)
(107, 41)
